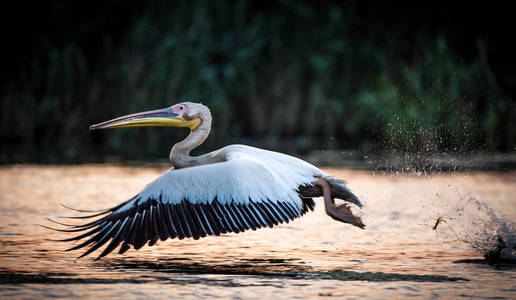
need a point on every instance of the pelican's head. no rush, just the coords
(184, 114)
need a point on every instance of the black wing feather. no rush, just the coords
(169, 222)
(250, 217)
(216, 213)
(161, 219)
(117, 238)
(148, 220)
(203, 218)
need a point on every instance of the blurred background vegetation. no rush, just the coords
(286, 75)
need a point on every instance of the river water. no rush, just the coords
(398, 255)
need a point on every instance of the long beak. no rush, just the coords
(160, 117)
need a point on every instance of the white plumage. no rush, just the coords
(248, 174)
(233, 189)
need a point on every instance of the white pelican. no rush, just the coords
(232, 189)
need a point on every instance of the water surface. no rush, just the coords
(398, 255)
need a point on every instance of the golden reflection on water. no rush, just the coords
(398, 255)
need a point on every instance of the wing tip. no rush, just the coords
(80, 210)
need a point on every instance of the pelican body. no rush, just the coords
(232, 189)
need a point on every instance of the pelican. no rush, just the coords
(232, 189)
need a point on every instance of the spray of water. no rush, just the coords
(423, 148)
(471, 221)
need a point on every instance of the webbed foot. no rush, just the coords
(340, 212)
(344, 214)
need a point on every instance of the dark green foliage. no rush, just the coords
(443, 104)
(287, 75)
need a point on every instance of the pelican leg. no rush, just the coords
(341, 212)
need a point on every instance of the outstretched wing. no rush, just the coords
(232, 196)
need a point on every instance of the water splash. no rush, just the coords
(475, 223)
(420, 151)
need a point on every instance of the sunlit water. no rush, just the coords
(398, 255)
